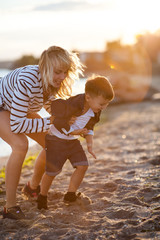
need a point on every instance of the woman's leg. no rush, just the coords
(39, 166)
(39, 169)
(19, 146)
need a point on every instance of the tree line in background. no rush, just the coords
(25, 60)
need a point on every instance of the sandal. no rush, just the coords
(13, 213)
(29, 192)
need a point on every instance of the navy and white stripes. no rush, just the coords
(22, 93)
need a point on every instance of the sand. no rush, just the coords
(123, 185)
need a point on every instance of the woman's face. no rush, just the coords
(58, 76)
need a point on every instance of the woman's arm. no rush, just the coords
(19, 110)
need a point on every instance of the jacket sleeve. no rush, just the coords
(63, 110)
(62, 113)
(90, 125)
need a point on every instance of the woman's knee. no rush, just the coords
(20, 143)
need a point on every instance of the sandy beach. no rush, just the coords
(122, 185)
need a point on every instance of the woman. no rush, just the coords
(23, 92)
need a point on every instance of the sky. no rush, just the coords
(31, 26)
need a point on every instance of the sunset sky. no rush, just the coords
(30, 26)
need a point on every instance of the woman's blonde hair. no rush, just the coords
(55, 58)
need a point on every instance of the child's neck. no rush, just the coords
(86, 107)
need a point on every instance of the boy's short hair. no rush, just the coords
(99, 86)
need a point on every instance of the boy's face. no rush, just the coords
(97, 103)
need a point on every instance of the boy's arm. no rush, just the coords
(89, 141)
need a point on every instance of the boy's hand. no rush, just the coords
(80, 131)
(90, 151)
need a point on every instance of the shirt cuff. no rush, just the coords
(67, 132)
(90, 132)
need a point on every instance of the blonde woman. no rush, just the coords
(23, 92)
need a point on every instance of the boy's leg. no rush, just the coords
(75, 182)
(55, 159)
(77, 178)
(45, 186)
(79, 160)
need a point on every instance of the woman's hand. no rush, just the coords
(82, 131)
(72, 120)
(51, 119)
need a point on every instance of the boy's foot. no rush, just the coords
(29, 192)
(13, 213)
(71, 197)
(42, 202)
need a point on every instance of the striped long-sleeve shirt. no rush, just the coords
(21, 93)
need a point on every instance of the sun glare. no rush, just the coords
(138, 17)
(87, 30)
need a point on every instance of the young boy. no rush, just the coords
(62, 142)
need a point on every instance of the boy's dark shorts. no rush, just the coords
(59, 150)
